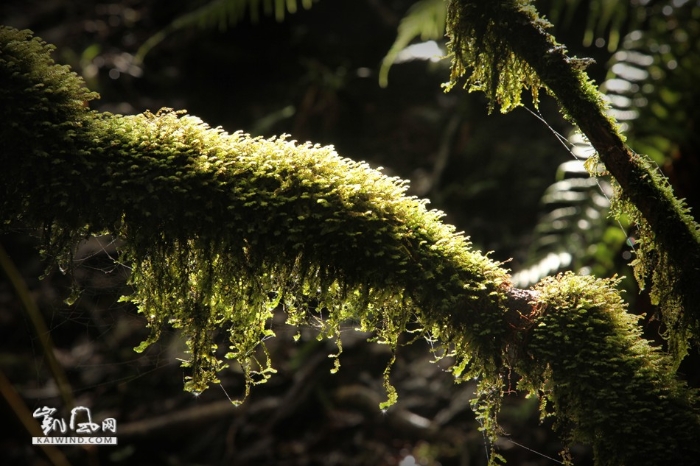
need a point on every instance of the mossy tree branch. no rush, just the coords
(503, 47)
(221, 229)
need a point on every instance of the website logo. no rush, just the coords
(80, 423)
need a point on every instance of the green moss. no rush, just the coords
(502, 48)
(608, 387)
(484, 56)
(43, 108)
(281, 223)
(222, 228)
(657, 249)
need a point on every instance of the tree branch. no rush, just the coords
(508, 40)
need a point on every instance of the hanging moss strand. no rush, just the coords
(220, 227)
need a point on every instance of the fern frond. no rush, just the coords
(223, 14)
(646, 96)
(574, 216)
(602, 15)
(425, 19)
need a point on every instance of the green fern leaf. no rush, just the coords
(425, 19)
(222, 14)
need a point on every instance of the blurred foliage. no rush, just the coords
(654, 102)
(425, 19)
(222, 14)
(609, 18)
(573, 233)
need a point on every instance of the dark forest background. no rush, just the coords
(506, 180)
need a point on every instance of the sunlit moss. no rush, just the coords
(603, 378)
(484, 58)
(222, 228)
(502, 48)
(674, 291)
(283, 223)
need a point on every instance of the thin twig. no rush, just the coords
(39, 325)
(20, 409)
